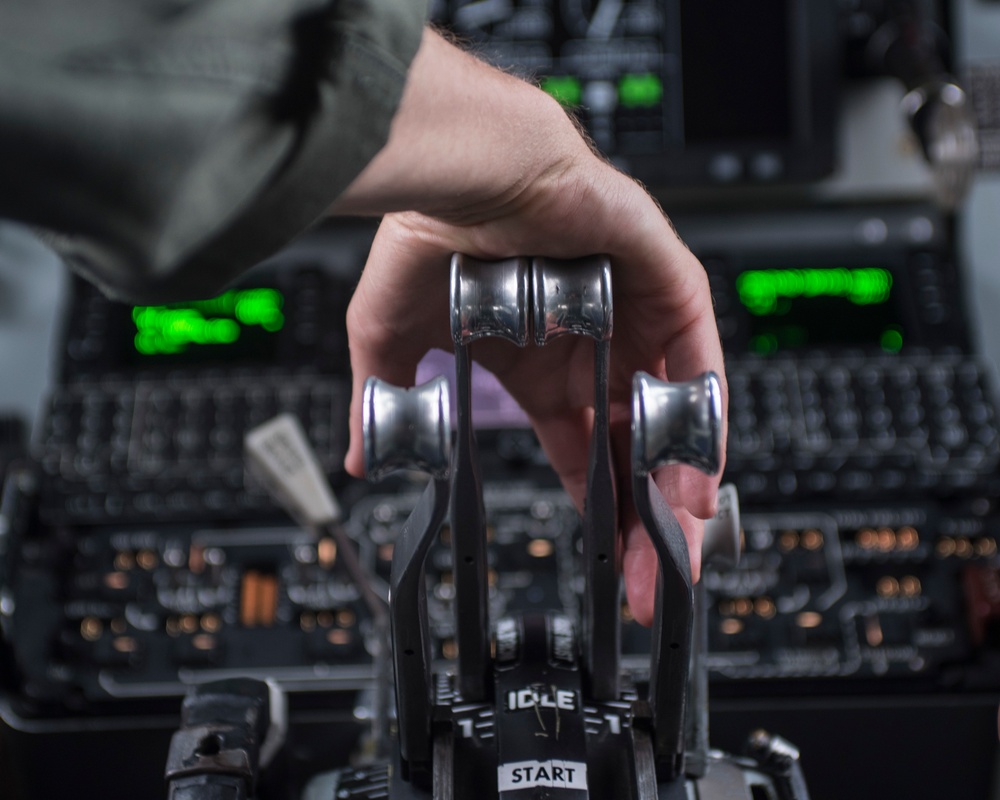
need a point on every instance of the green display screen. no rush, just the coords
(791, 309)
(235, 321)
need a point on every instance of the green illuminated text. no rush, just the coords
(172, 328)
(760, 290)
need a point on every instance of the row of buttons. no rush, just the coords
(899, 426)
(154, 449)
(937, 411)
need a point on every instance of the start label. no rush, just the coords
(554, 774)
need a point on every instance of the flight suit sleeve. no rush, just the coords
(163, 147)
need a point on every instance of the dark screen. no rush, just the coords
(807, 307)
(735, 64)
(810, 322)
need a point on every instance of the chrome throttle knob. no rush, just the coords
(406, 428)
(572, 297)
(676, 423)
(489, 298)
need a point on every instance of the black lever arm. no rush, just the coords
(671, 423)
(487, 299)
(574, 297)
(410, 428)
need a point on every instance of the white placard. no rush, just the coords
(529, 774)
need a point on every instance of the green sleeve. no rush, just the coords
(165, 147)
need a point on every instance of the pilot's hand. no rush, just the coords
(506, 173)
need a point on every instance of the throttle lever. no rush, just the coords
(574, 297)
(487, 299)
(410, 428)
(671, 424)
(721, 548)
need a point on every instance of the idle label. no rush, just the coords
(532, 697)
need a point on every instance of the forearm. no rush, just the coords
(466, 139)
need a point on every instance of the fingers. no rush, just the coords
(566, 441)
(554, 385)
(640, 564)
(694, 497)
(668, 329)
(697, 494)
(398, 312)
(686, 348)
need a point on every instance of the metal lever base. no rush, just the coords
(545, 738)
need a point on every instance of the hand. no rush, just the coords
(510, 191)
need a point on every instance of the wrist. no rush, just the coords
(466, 141)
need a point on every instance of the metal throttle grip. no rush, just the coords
(672, 423)
(574, 297)
(410, 429)
(487, 299)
